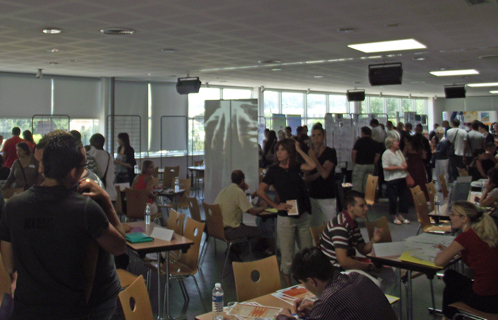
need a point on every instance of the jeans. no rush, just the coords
(360, 176)
(397, 189)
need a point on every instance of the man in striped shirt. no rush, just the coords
(342, 237)
(340, 296)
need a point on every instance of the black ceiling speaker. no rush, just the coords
(188, 85)
(356, 95)
(385, 74)
(454, 92)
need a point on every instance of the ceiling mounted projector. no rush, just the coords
(188, 85)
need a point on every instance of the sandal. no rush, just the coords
(406, 221)
(396, 221)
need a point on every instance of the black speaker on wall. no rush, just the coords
(188, 85)
(385, 74)
(454, 92)
(356, 95)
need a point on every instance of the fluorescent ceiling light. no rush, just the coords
(448, 73)
(494, 91)
(384, 46)
(483, 84)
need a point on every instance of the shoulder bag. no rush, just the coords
(451, 146)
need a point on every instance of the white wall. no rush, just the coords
(470, 104)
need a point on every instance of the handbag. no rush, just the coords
(410, 183)
(26, 186)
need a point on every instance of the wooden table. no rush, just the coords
(173, 195)
(197, 170)
(177, 243)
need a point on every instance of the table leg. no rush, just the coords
(159, 286)
(167, 287)
(409, 294)
(399, 284)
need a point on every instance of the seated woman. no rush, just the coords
(145, 181)
(489, 196)
(480, 164)
(478, 246)
(24, 171)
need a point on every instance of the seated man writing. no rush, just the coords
(233, 202)
(340, 296)
(342, 236)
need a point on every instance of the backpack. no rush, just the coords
(450, 152)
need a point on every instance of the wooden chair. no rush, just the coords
(136, 201)
(466, 312)
(195, 213)
(216, 230)
(136, 293)
(316, 233)
(155, 174)
(183, 201)
(118, 206)
(431, 189)
(5, 281)
(463, 172)
(415, 190)
(268, 278)
(9, 192)
(187, 265)
(155, 182)
(423, 216)
(126, 278)
(370, 190)
(169, 175)
(379, 223)
(176, 221)
(444, 186)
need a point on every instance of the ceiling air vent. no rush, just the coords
(474, 2)
(489, 57)
(117, 31)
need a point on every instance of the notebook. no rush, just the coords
(138, 237)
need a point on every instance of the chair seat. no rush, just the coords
(175, 269)
(467, 309)
(438, 229)
(126, 278)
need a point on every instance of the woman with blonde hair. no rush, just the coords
(478, 246)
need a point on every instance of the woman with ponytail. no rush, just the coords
(478, 246)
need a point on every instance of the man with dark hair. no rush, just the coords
(484, 130)
(233, 202)
(351, 296)
(457, 138)
(365, 156)
(288, 132)
(409, 128)
(105, 164)
(475, 140)
(9, 147)
(427, 148)
(342, 236)
(55, 234)
(391, 131)
(432, 134)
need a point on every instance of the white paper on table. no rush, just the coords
(162, 233)
(389, 248)
(429, 239)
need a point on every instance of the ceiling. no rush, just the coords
(221, 41)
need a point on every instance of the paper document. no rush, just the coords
(430, 239)
(389, 248)
(294, 211)
(252, 311)
(162, 233)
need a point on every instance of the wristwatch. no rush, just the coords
(371, 267)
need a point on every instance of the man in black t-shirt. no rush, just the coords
(60, 242)
(365, 156)
(321, 180)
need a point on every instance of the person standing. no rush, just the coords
(24, 171)
(321, 180)
(9, 147)
(125, 161)
(28, 137)
(285, 176)
(457, 139)
(475, 140)
(105, 164)
(391, 131)
(365, 156)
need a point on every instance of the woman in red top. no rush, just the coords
(478, 246)
(145, 181)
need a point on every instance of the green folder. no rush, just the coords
(138, 237)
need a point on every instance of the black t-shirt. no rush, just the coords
(490, 138)
(365, 148)
(289, 186)
(324, 188)
(50, 229)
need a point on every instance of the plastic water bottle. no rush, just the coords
(147, 214)
(177, 184)
(217, 302)
(436, 204)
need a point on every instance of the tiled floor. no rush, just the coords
(213, 264)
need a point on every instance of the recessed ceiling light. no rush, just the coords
(346, 30)
(54, 50)
(172, 76)
(72, 61)
(53, 63)
(415, 82)
(276, 69)
(318, 77)
(117, 31)
(383, 46)
(168, 50)
(392, 25)
(52, 30)
(418, 58)
(269, 61)
(494, 91)
(483, 84)
(441, 68)
(356, 82)
(448, 73)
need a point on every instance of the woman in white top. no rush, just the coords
(394, 165)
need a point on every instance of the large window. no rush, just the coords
(196, 101)
(392, 106)
(231, 94)
(338, 104)
(376, 105)
(292, 103)
(406, 105)
(87, 128)
(316, 105)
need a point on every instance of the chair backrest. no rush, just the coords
(118, 206)
(169, 175)
(136, 292)
(176, 221)
(183, 201)
(379, 223)
(136, 201)
(193, 231)
(9, 192)
(198, 163)
(267, 282)
(155, 182)
(4, 280)
(214, 221)
(193, 206)
(370, 189)
(316, 233)
(463, 172)
(422, 210)
(155, 174)
(415, 190)
(431, 189)
(444, 186)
